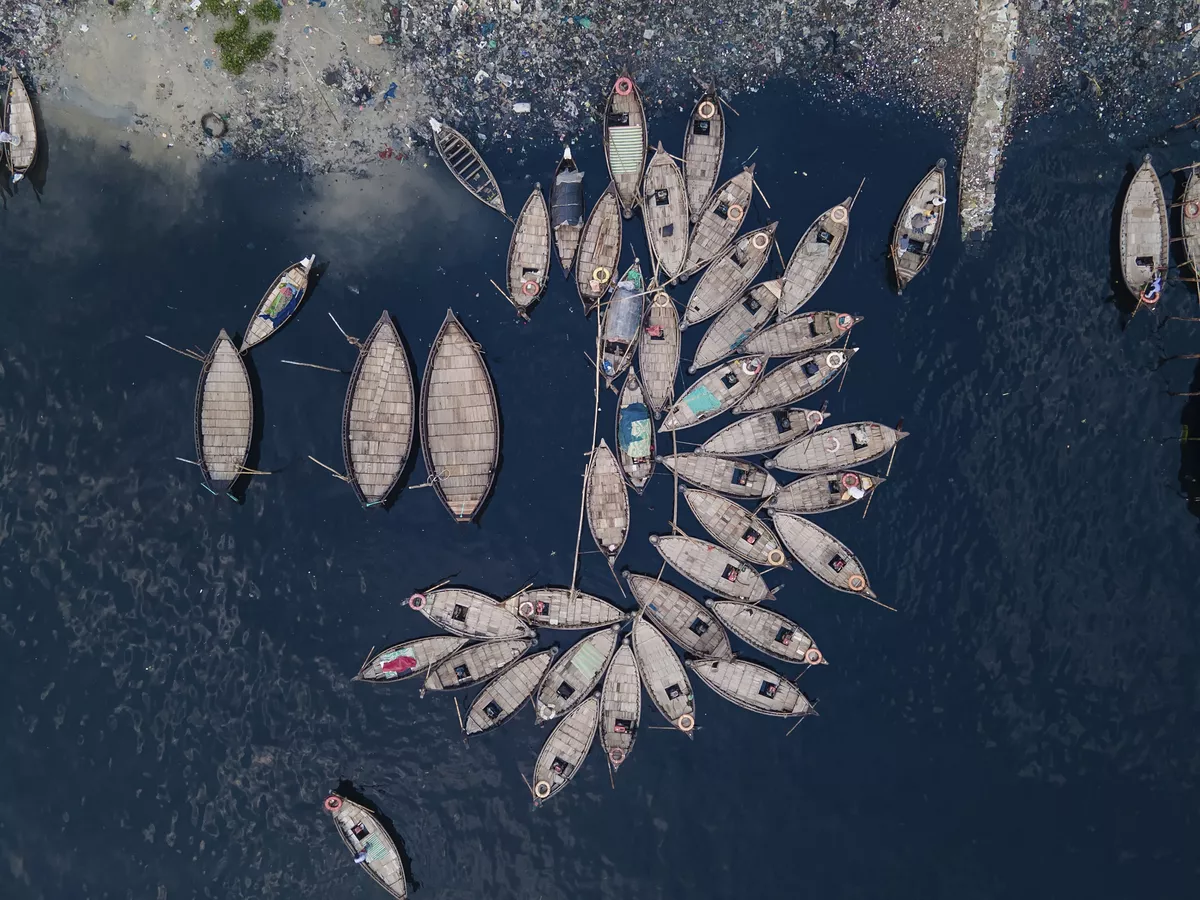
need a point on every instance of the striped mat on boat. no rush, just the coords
(626, 146)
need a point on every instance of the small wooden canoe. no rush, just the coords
(607, 503)
(658, 350)
(665, 209)
(379, 415)
(712, 567)
(560, 609)
(409, 658)
(465, 163)
(752, 687)
(822, 554)
(664, 676)
(367, 839)
(224, 420)
(766, 630)
(720, 220)
(729, 275)
(460, 433)
(703, 149)
(734, 477)
(838, 447)
(529, 253)
(794, 380)
(635, 434)
(801, 334)
(1190, 221)
(620, 706)
(279, 303)
(739, 322)
(736, 528)
(574, 675)
(824, 492)
(1145, 235)
(566, 209)
(565, 750)
(625, 140)
(763, 432)
(504, 695)
(919, 226)
(599, 250)
(622, 323)
(19, 122)
(681, 618)
(714, 392)
(469, 614)
(814, 257)
(477, 663)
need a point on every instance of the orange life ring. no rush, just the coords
(1149, 298)
(815, 418)
(624, 86)
(735, 212)
(530, 288)
(526, 608)
(616, 756)
(685, 723)
(812, 656)
(844, 321)
(332, 803)
(706, 110)
(775, 557)
(849, 480)
(1191, 209)
(856, 583)
(541, 790)
(416, 601)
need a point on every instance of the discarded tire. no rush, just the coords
(214, 126)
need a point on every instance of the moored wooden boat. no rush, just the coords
(635, 433)
(822, 554)
(735, 528)
(703, 148)
(658, 350)
(469, 614)
(599, 250)
(607, 503)
(403, 660)
(752, 687)
(529, 253)
(620, 706)
(712, 567)
(19, 122)
(665, 678)
(766, 630)
(565, 750)
(801, 334)
(919, 226)
(734, 477)
(665, 210)
(224, 419)
(823, 492)
(573, 677)
(504, 695)
(563, 609)
(279, 303)
(714, 392)
(681, 618)
(1144, 234)
(837, 447)
(476, 663)
(622, 323)
(1190, 221)
(467, 165)
(814, 257)
(729, 275)
(566, 209)
(372, 846)
(625, 140)
(720, 220)
(794, 380)
(763, 432)
(731, 329)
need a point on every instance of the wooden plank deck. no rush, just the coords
(703, 149)
(504, 695)
(224, 419)
(665, 678)
(794, 380)
(1144, 235)
(919, 225)
(752, 687)
(565, 750)
(720, 220)
(822, 554)
(362, 832)
(19, 120)
(575, 674)
(814, 257)
(470, 614)
(837, 447)
(763, 432)
(563, 609)
(714, 392)
(409, 658)
(625, 142)
(736, 528)
(768, 631)
(712, 567)
(658, 350)
(681, 618)
(734, 477)
(467, 165)
(475, 664)
(620, 706)
(729, 275)
(665, 211)
(607, 503)
(739, 322)
(801, 334)
(529, 252)
(599, 250)
(825, 492)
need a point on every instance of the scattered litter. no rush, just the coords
(375, 40)
(522, 107)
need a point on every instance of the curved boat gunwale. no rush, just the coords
(197, 421)
(535, 198)
(498, 205)
(710, 94)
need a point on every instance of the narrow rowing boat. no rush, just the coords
(1144, 234)
(736, 528)
(794, 380)
(919, 226)
(665, 209)
(529, 253)
(822, 554)
(403, 660)
(224, 418)
(620, 706)
(714, 392)
(574, 675)
(635, 433)
(814, 257)
(19, 122)
(279, 303)
(372, 846)
(752, 687)
(729, 275)
(622, 324)
(504, 695)
(719, 221)
(838, 447)
(607, 503)
(763, 432)
(823, 492)
(766, 630)
(664, 676)
(680, 617)
(476, 663)
(565, 750)
(703, 148)
(712, 567)
(625, 140)
(469, 614)
(599, 250)
(1190, 221)
(658, 350)
(564, 609)
(802, 334)
(740, 321)
(467, 165)
(566, 209)
(734, 477)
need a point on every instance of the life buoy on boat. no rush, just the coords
(760, 241)
(333, 804)
(1191, 209)
(526, 608)
(1150, 295)
(776, 557)
(856, 583)
(530, 288)
(735, 213)
(835, 359)
(616, 756)
(849, 480)
(751, 366)
(601, 275)
(706, 110)
(541, 790)
(416, 601)
(831, 440)
(685, 722)
(662, 300)
(624, 86)
(815, 418)
(812, 656)
(844, 321)
(839, 214)
(938, 200)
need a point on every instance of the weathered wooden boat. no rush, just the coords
(734, 477)
(801, 334)
(658, 350)
(625, 140)
(460, 433)
(563, 609)
(366, 838)
(574, 675)
(665, 210)
(703, 149)
(824, 492)
(599, 250)
(735, 528)
(712, 567)
(681, 618)
(719, 221)
(224, 420)
(766, 630)
(409, 658)
(714, 392)
(20, 123)
(1144, 235)
(814, 257)
(476, 663)
(379, 415)
(565, 750)
(620, 706)
(279, 303)
(664, 676)
(529, 253)
(607, 503)
(566, 209)
(822, 554)
(838, 447)
(794, 380)
(1190, 221)
(466, 164)
(504, 695)
(737, 324)
(469, 614)
(622, 323)
(763, 432)
(919, 226)
(729, 275)
(635, 433)
(752, 687)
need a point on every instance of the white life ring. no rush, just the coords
(938, 200)
(760, 241)
(830, 439)
(776, 557)
(839, 214)
(541, 790)
(751, 366)
(815, 419)
(662, 300)
(526, 608)
(835, 360)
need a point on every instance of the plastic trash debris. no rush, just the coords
(83, 28)
(481, 76)
(375, 40)
(522, 107)
(390, 93)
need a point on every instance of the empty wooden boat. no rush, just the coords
(620, 706)
(801, 334)
(469, 614)
(729, 275)
(224, 420)
(563, 609)
(622, 323)
(505, 694)
(625, 140)
(794, 380)
(752, 687)
(403, 660)
(714, 392)
(712, 567)
(919, 226)
(681, 618)
(20, 123)
(658, 350)
(367, 839)
(529, 253)
(824, 492)
(279, 303)
(703, 148)
(766, 630)
(635, 433)
(1144, 235)
(814, 257)
(734, 477)
(822, 554)
(476, 663)
(838, 447)
(565, 750)
(1191, 221)
(465, 163)
(566, 209)
(665, 678)
(607, 503)
(460, 433)
(599, 250)
(763, 432)
(665, 210)
(720, 220)
(574, 675)
(735, 528)
(379, 416)
(737, 324)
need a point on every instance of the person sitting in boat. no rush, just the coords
(361, 856)
(1152, 293)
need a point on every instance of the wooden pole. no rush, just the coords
(247, 471)
(292, 362)
(588, 471)
(1189, 166)
(190, 462)
(504, 294)
(457, 709)
(1187, 123)
(760, 193)
(190, 354)
(352, 340)
(730, 108)
(859, 191)
(332, 471)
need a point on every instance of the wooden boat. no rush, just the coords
(794, 380)
(801, 334)
(565, 750)
(529, 253)
(824, 492)
(752, 687)
(561, 609)
(622, 323)
(665, 678)
(620, 706)
(814, 257)
(366, 838)
(729, 275)
(465, 163)
(734, 477)
(763, 432)
(469, 614)
(822, 554)
(1144, 234)
(703, 148)
(379, 415)
(681, 618)
(635, 433)
(665, 208)
(739, 322)
(224, 421)
(607, 503)
(625, 140)
(658, 350)
(714, 392)
(476, 663)
(1190, 222)
(766, 630)
(838, 447)
(719, 221)
(504, 695)
(736, 528)
(409, 658)
(566, 209)
(279, 303)
(460, 423)
(712, 568)
(573, 677)
(919, 226)
(19, 122)
(599, 250)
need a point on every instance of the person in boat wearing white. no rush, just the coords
(6, 138)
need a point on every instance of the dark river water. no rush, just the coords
(176, 667)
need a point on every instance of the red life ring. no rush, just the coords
(1149, 298)
(815, 419)
(417, 602)
(844, 321)
(616, 755)
(857, 583)
(813, 656)
(333, 803)
(849, 480)
(836, 444)
(530, 288)
(1191, 209)
(624, 86)
(526, 608)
